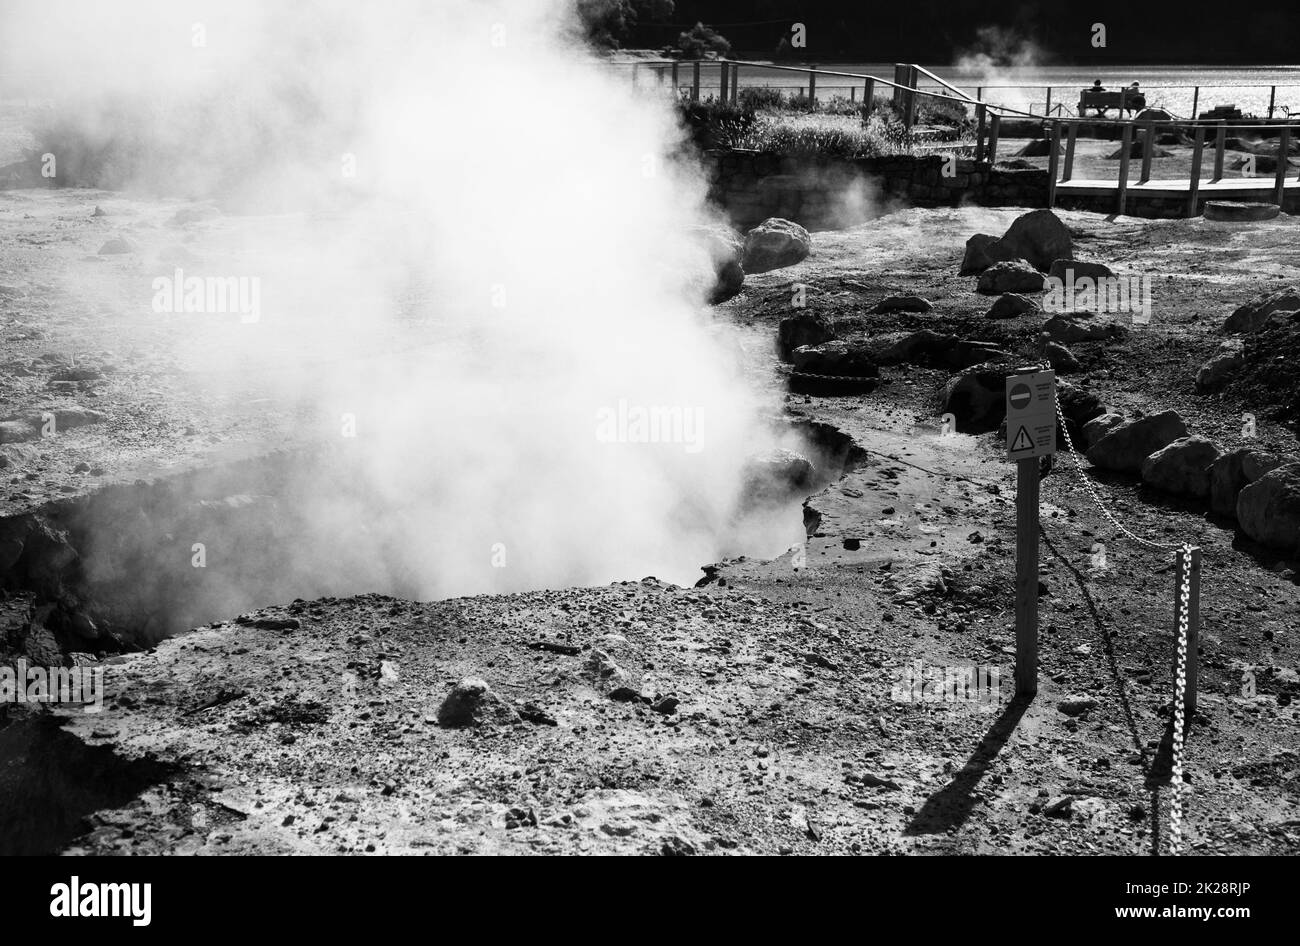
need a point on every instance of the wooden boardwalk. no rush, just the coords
(1253, 189)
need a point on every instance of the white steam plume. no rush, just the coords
(507, 268)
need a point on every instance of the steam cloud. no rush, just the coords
(998, 57)
(508, 265)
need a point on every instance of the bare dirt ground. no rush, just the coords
(311, 726)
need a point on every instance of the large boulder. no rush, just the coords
(1235, 470)
(1252, 316)
(1125, 447)
(837, 358)
(1067, 328)
(929, 347)
(723, 249)
(775, 243)
(1010, 276)
(1039, 237)
(1268, 510)
(1183, 467)
(976, 398)
(1077, 406)
(1221, 367)
(1009, 305)
(804, 328)
(1099, 427)
(976, 258)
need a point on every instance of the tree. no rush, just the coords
(606, 23)
(701, 40)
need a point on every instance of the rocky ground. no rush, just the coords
(759, 712)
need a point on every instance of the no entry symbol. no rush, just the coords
(1020, 396)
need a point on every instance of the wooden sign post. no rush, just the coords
(1031, 433)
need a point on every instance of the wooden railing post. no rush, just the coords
(1053, 162)
(1148, 148)
(1048, 109)
(722, 83)
(1279, 183)
(676, 88)
(1220, 141)
(1272, 97)
(1069, 151)
(695, 87)
(735, 82)
(981, 117)
(912, 79)
(812, 87)
(1194, 184)
(1196, 97)
(1125, 149)
(994, 121)
(869, 95)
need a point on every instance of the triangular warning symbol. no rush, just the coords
(1023, 441)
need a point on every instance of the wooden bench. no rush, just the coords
(1102, 101)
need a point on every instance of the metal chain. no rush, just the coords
(1180, 674)
(1180, 689)
(1092, 491)
(795, 375)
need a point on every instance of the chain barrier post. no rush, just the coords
(1187, 588)
(1187, 593)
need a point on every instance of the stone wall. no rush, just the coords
(825, 193)
(821, 192)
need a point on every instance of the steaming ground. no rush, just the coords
(786, 735)
(488, 283)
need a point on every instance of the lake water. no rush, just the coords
(1025, 88)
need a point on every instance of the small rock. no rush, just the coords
(1076, 705)
(1069, 327)
(473, 703)
(903, 304)
(1009, 305)
(116, 247)
(1068, 271)
(1011, 276)
(1220, 369)
(1062, 807)
(775, 243)
(604, 672)
(1061, 358)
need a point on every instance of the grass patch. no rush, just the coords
(840, 136)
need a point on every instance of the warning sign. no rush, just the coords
(1031, 415)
